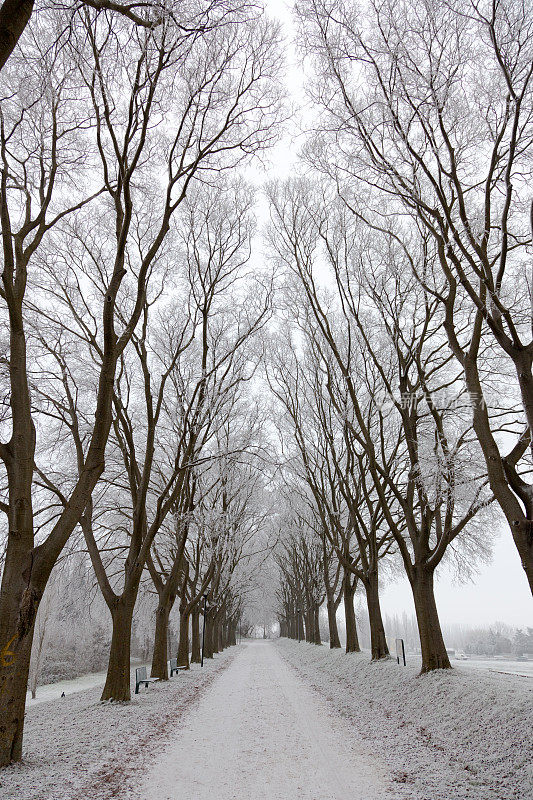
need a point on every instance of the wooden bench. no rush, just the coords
(141, 678)
(173, 667)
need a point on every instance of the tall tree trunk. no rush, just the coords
(309, 623)
(522, 533)
(294, 623)
(183, 647)
(15, 656)
(208, 639)
(434, 655)
(334, 640)
(215, 637)
(352, 639)
(316, 624)
(117, 685)
(160, 654)
(14, 16)
(331, 608)
(196, 653)
(19, 597)
(378, 642)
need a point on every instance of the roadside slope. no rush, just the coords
(450, 734)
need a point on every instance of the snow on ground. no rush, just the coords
(449, 735)
(76, 748)
(286, 721)
(53, 691)
(260, 733)
(493, 664)
(522, 668)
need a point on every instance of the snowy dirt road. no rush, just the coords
(259, 732)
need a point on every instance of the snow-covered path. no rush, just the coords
(260, 732)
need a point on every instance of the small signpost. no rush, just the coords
(400, 651)
(203, 630)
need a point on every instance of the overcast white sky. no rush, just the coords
(500, 591)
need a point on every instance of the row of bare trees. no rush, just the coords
(404, 370)
(427, 136)
(400, 363)
(123, 352)
(379, 424)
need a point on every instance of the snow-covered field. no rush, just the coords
(76, 748)
(451, 735)
(521, 668)
(53, 691)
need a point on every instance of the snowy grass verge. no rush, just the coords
(78, 748)
(448, 735)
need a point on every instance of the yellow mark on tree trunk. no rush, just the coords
(7, 656)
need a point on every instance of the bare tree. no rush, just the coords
(431, 110)
(191, 18)
(220, 91)
(390, 338)
(299, 558)
(216, 229)
(350, 517)
(236, 513)
(39, 147)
